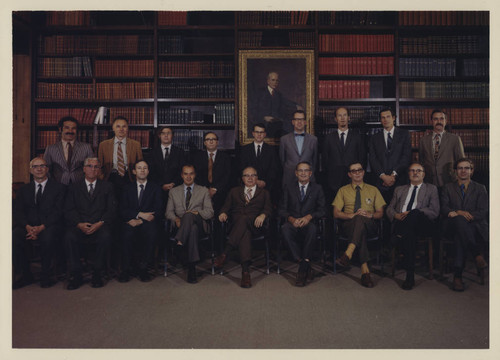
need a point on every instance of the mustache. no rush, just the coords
(439, 124)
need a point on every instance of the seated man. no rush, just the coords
(188, 206)
(37, 217)
(89, 210)
(412, 209)
(301, 203)
(359, 205)
(140, 210)
(247, 206)
(464, 205)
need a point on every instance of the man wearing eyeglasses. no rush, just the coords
(358, 205)
(37, 214)
(89, 211)
(247, 207)
(465, 207)
(412, 209)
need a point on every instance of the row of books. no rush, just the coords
(143, 136)
(65, 67)
(126, 90)
(170, 44)
(196, 68)
(64, 91)
(50, 117)
(455, 116)
(481, 160)
(474, 138)
(447, 89)
(355, 18)
(344, 89)
(96, 44)
(172, 18)
(444, 44)
(357, 114)
(134, 115)
(250, 39)
(356, 43)
(67, 18)
(356, 66)
(219, 114)
(427, 67)
(301, 39)
(124, 68)
(273, 17)
(196, 90)
(444, 18)
(476, 67)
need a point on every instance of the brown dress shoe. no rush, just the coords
(219, 260)
(366, 280)
(245, 280)
(458, 284)
(301, 279)
(343, 261)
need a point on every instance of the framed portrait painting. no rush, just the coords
(272, 85)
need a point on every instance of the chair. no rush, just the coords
(421, 240)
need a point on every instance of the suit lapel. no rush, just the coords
(60, 150)
(404, 195)
(421, 195)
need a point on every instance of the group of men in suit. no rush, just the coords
(194, 192)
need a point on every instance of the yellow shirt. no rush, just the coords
(371, 199)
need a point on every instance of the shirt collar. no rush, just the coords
(340, 131)
(65, 143)
(43, 183)
(253, 189)
(88, 182)
(362, 185)
(139, 184)
(124, 141)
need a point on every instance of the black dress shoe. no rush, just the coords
(191, 278)
(301, 279)
(124, 277)
(97, 281)
(366, 280)
(75, 282)
(22, 282)
(458, 284)
(46, 282)
(144, 276)
(343, 261)
(408, 284)
(245, 280)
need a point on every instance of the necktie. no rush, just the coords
(357, 201)
(462, 189)
(166, 154)
(248, 196)
(412, 199)
(91, 190)
(141, 194)
(188, 196)
(389, 142)
(272, 92)
(342, 139)
(258, 151)
(70, 155)
(210, 167)
(38, 198)
(121, 162)
(437, 141)
(302, 192)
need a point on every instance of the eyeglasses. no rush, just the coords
(249, 175)
(303, 170)
(42, 166)
(464, 168)
(211, 139)
(299, 119)
(418, 171)
(259, 132)
(356, 171)
(93, 166)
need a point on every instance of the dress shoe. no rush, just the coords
(97, 281)
(46, 282)
(458, 284)
(144, 276)
(301, 279)
(310, 274)
(408, 284)
(23, 281)
(191, 278)
(124, 277)
(343, 261)
(220, 260)
(366, 280)
(245, 280)
(75, 282)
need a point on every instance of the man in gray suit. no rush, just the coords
(411, 211)
(464, 205)
(297, 146)
(439, 150)
(65, 158)
(189, 205)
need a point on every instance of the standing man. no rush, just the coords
(390, 154)
(412, 210)
(341, 148)
(264, 158)
(297, 146)
(141, 211)
(37, 216)
(301, 204)
(189, 206)
(358, 205)
(247, 206)
(464, 205)
(213, 169)
(439, 150)
(65, 158)
(89, 211)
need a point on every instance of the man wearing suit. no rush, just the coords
(213, 170)
(189, 206)
(65, 158)
(37, 214)
(166, 162)
(464, 205)
(358, 205)
(340, 149)
(247, 206)
(297, 146)
(411, 211)
(89, 211)
(264, 158)
(439, 150)
(390, 154)
(302, 203)
(141, 211)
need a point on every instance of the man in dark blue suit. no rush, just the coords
(141, 212)
(302, 203)
(37, 216)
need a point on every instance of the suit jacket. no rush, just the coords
(440, 172)
(58, 166)
(290, 157)
(475, 202)
(166, 172)
(267, 164)
(151, 201)
(336, 159)
(105, 154)
(50, 210)
(235, 205)
(427, 201)
(80, 207)
(313, 203)
(398, 159)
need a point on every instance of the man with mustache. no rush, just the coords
(439, 150)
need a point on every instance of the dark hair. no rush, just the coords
(464, 159)
(353, 163)
(61, 122)
(346, 109)
(303, 162)
(416, 163)
(188, 165)
(249, 167)
(388, 108)
(210, 132)
(299, 112)
(120, 117)
(261, 125)
(139, 161)
(161, 128)
(438, 111)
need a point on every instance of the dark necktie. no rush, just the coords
(357, 201)
(166, 154)
(91, 190)
(188, 196)
(389, 142)
(258, 151)
(437, 142)
(302, 192)
(38, 198)
(70, 155)
(412, 198)
(342, 139)
(462, 189)
(210, 167)
(141, 194)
